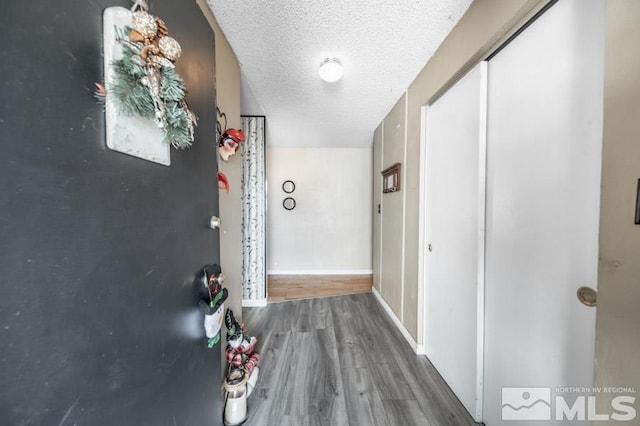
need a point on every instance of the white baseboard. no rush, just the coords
(321, 272)
(418, 349)
(254, 303)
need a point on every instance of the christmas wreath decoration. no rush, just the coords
(145, 81)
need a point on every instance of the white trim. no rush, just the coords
(422, 236)
(254, 303)
(398, 323)
(321, 272)
(422, 223)
(482, 189)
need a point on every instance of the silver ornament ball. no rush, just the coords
(170, 48)
(144, 23)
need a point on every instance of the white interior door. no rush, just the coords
(544, 145)
(454, 234)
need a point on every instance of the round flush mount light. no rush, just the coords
(330, 70)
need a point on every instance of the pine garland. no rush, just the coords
(130, 90)
(131, 96)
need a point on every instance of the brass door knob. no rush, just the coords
(587, 296)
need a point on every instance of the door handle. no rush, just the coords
(587, 296)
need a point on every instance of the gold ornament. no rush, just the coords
(170, 48)
(144, 23)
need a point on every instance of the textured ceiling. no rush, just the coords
(383, 44)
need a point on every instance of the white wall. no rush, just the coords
(329, 231)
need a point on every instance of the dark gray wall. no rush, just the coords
(98, 320)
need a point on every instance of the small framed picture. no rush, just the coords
(391, 179)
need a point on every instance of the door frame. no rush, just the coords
(422, 232)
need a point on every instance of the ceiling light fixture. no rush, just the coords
(330, 70)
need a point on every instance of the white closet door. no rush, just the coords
(454, 218)
(544, 146)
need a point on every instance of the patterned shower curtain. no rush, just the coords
(254, 209)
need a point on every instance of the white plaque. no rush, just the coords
(130, 135)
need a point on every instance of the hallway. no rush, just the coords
(340, 361)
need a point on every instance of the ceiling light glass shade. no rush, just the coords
(330, 70)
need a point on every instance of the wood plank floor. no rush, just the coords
(341, 361)
(291, 287)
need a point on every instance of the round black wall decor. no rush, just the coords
(289, 203)
(288, 186)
